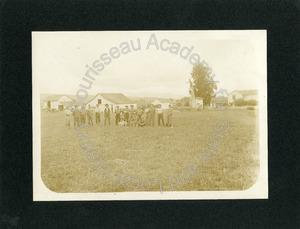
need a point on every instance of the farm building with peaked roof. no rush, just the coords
(61, 101)
(112, 99)
(56, 102)
(242, 94)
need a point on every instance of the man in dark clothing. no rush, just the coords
(118, 113)
(126, 114)
(89, 114)
(106, 114)
(82, 114)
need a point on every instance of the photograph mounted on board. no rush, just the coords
(133, 115)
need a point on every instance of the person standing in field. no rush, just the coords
(170, 116)
(68, 114)
(89, 114)
(106, 114)
(117, 113)
(147, 114)
(132, 114)
(152, 114)
(160, 115)
(76, 116)
(82, 114)
(97, 111)
(126, 114)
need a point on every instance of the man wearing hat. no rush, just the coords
(132, 116)
(160, 115)
(117, 113)
(68, 114)
(89, 114)
(76, 116)
(82, 114)
(126, 114)
(152, 114)
(106, 114)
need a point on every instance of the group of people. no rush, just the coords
(142, 116)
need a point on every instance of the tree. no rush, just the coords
(185, 101)
(202, 83)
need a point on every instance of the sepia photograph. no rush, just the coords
(128, 115)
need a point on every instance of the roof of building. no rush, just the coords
(116, 98)
(245, 92)
(56, 97)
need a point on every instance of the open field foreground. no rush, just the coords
(152, 158)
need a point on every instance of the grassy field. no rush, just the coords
(144, 154)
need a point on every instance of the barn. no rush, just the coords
(112, 99)
(242, 94)
(60, 101)
(56, 102)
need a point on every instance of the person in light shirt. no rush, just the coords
(68, 114)
(147, 113)
(160, 115)
(152, 114)
(76, 116)
(170, 116)
(97, 111)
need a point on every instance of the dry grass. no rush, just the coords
(152, 152)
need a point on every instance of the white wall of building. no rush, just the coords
(104, 101)
(197, 103)
(236, 95)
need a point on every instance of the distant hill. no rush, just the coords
(149, 100)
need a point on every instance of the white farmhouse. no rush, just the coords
(61, 101)
(56, 102)
(242, 94)
(112, 99)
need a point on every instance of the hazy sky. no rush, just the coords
(237, 58)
